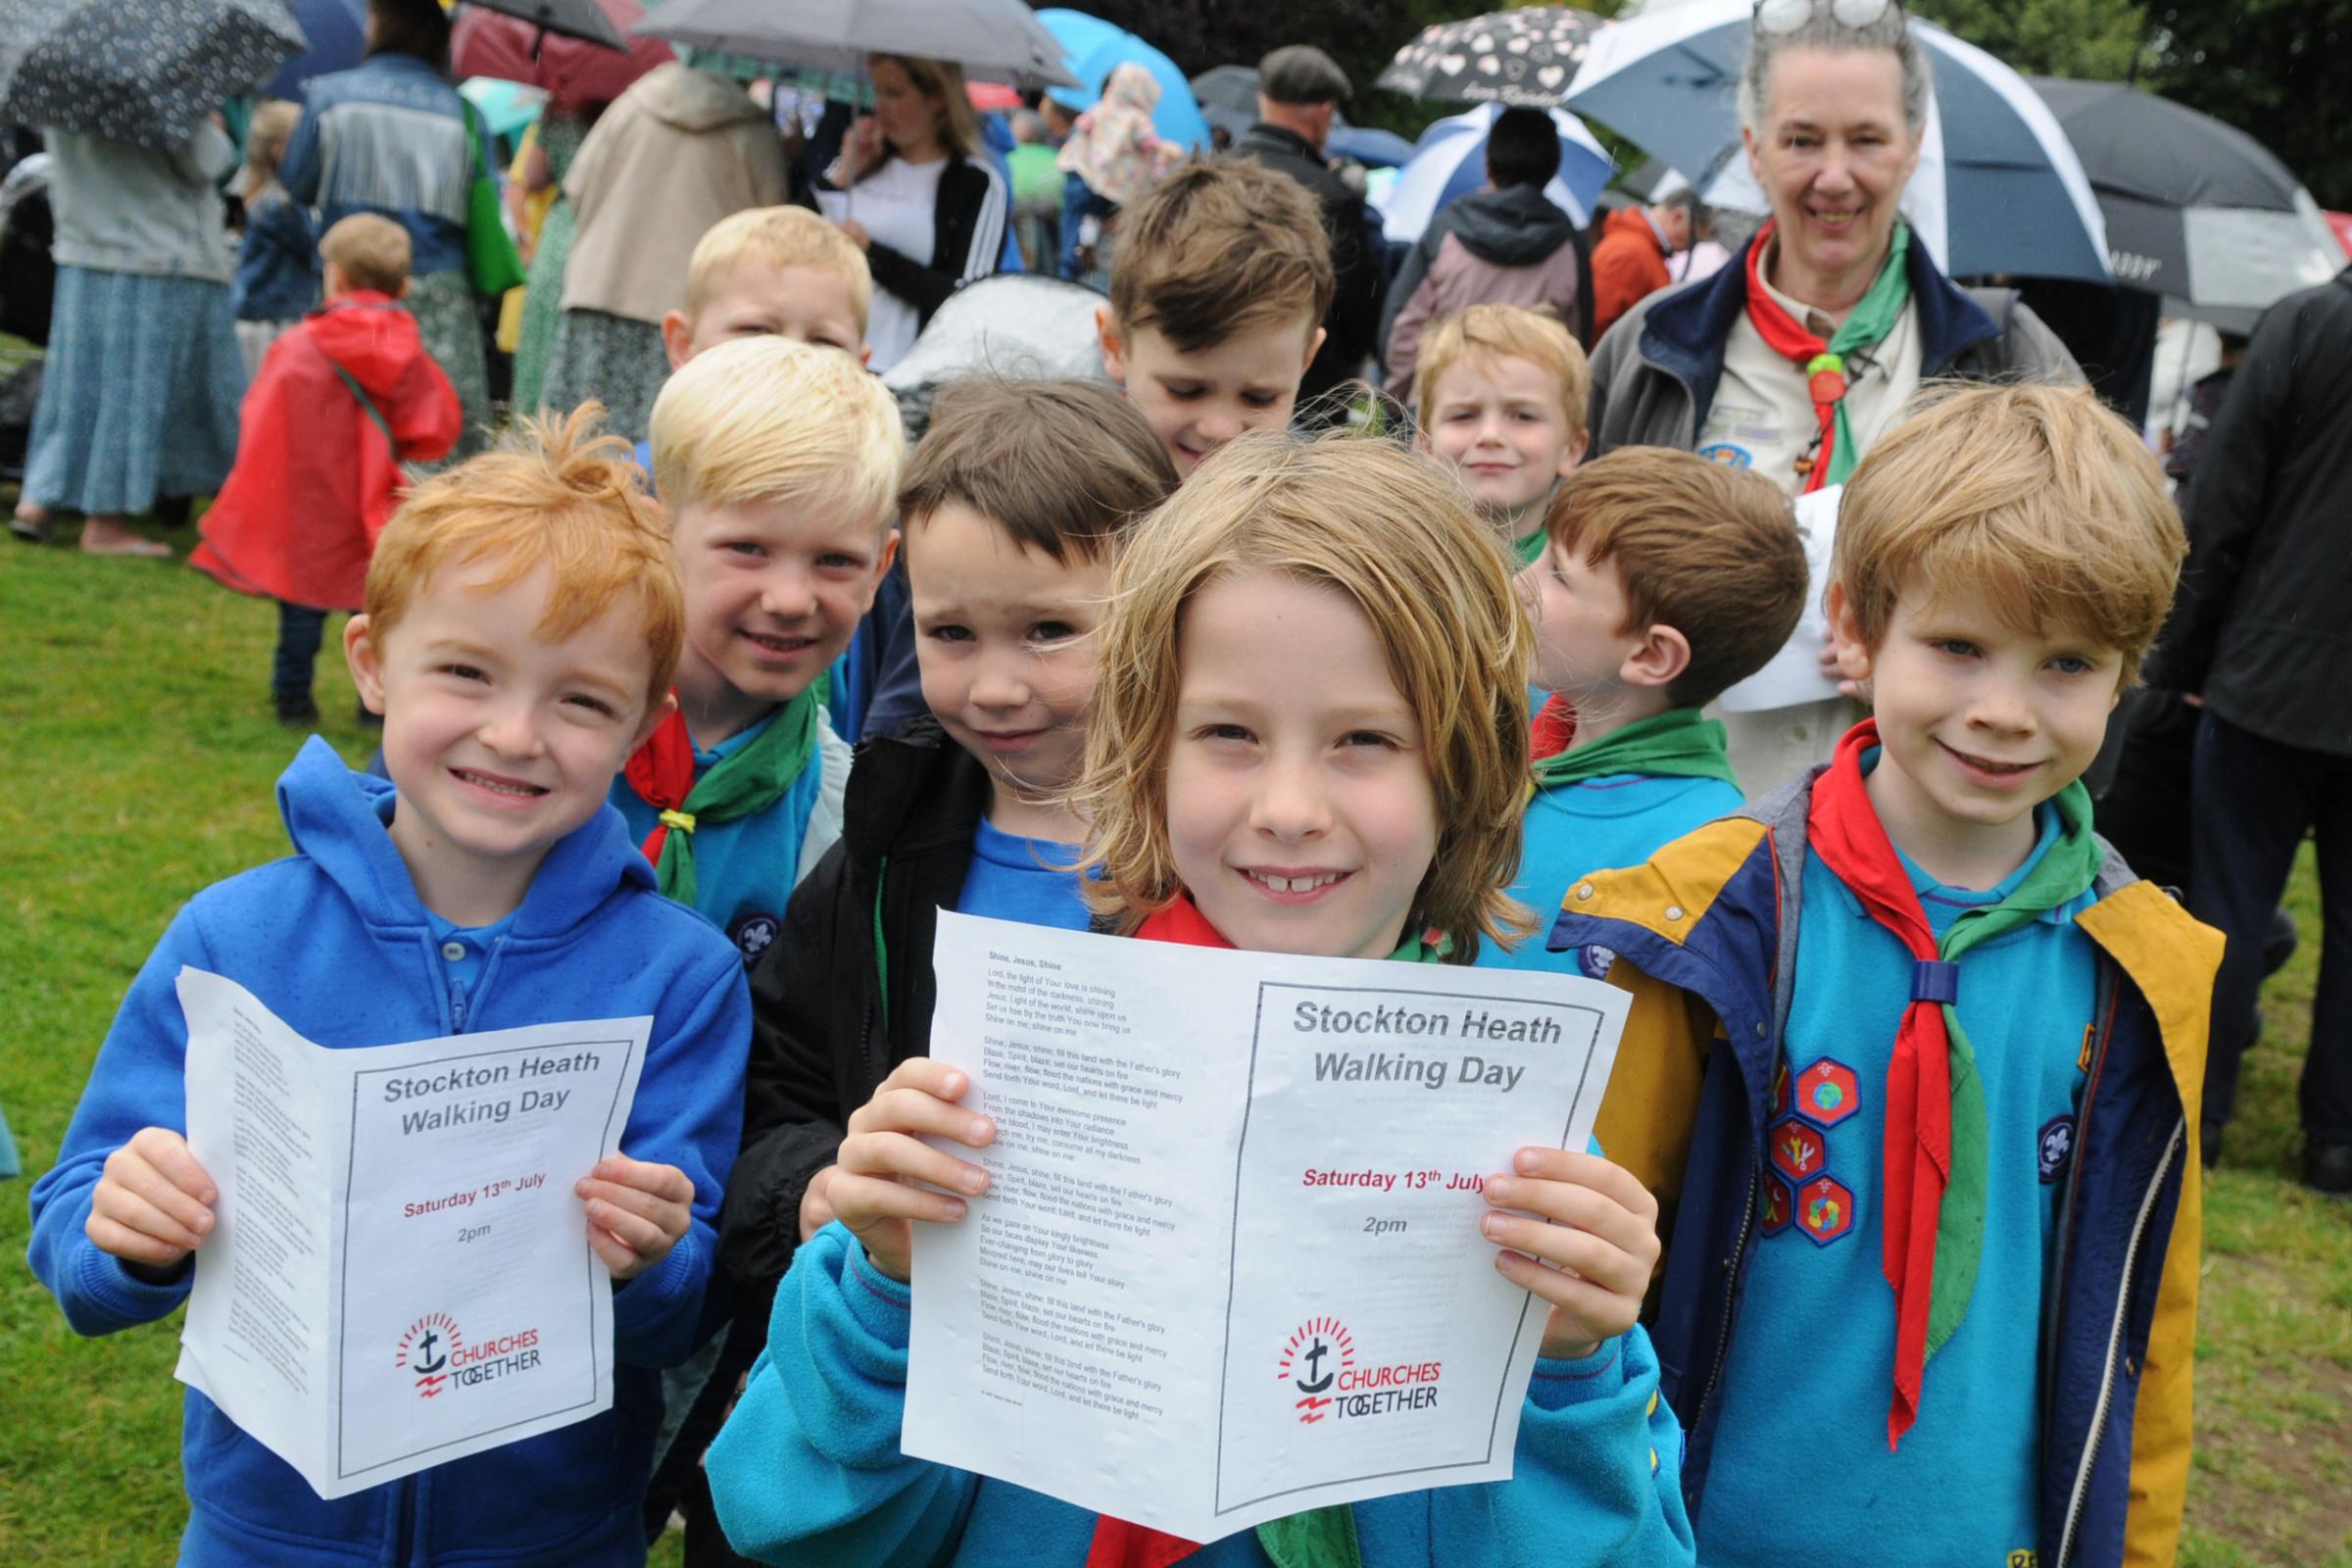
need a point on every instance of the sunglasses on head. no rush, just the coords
(1787, 16)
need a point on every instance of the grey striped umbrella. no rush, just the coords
(145, 73)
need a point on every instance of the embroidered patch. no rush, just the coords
(1828, 1091)
(2055, 1144)
(2024, 1557)
(1594, 961)
(754, 935)
(1780, 1089)
(1797, 1150)
(1730, 456)
(1825, 1209)
(1776, 1208)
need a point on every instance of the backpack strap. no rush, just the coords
(351, 384)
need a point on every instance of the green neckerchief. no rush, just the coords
(741, 785)
(1867, 328)
(1679, 743)
(1529, 546)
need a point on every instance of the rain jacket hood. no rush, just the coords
(695, 101)
(1514, 227)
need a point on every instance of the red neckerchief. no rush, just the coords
(1842, 827)
(1787, 336)
(662, 772)
(1555, 727)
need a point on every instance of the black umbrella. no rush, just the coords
(1524, 57)
(2196, 209)
(145, 73)
(574, 19)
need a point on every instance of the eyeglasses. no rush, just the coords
(1787, 16)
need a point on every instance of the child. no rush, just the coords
(778, 463)
(1205, 786)
(1667, 579)
(521, 620)
(1216, 303)
(1501, 396)
(277, 261)
(1011, 507)
(342, 401)
(1936, 1156)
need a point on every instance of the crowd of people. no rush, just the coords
(1443, 685)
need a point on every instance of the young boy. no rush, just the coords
(1501, 396)
(1666, 580)
(1217, 293)
(778, 463)
(1933, 1270)
(521, 617)
(342, 400)
(1011, 507)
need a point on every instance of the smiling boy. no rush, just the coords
(1958, 1120)
(1502, 391)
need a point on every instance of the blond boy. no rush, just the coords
(1500, 390)
(780, 271)
(778, 463)
(1218, 289)
(521, 617)
(1664, 579)
(1946, 1209)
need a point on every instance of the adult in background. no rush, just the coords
(1506, 244)
(1300, 88)
(682, 148)
(1629, 260)
(926, 203)
(390, 136)
(140, 389)
(1832, 114)
(2258, 636)
(542, 165)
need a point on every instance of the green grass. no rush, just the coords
(140, 753)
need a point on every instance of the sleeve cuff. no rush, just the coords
(115, 1289)
(1558, 1384)
(879, 1305)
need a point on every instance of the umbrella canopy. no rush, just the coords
(992, 41)
(1014, 325)
(338, 40)
(1998, 188)
(507, 108)
(1524, 57)
(2196, 209)
(1451, 159)
(1368, 145)
(1228, 97)
(145, 73)
(1092, 48)
(571, 70)
(574, 19)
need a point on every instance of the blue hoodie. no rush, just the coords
(335, 941)
(808, 1469)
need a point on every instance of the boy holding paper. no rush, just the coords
(521, 622)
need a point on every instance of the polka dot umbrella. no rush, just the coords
(1524, 58)
(145, 73)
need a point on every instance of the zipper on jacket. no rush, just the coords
(2111, 990)
(2115, 1340)
(1730, 1271)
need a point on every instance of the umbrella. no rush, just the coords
(505, 106)
(2196, 209)
(1014, 325)
(1998, 187)
(486, 44)
(1524, 57)
(1092, 48)
(147, 72)
(1452, 159)
(1228, 98)
(1368, 145)
(992, 41)
(2340, 225)
(574, 19)
(338, 40)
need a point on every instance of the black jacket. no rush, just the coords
(967, 239)
(2259, 625)
(1351, 326)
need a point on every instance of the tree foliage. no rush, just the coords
(2095, 39)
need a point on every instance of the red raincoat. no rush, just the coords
(316, 480)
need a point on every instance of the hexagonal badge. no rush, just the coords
(1780, 1089)
(1825, 1209)
(1776, 1208)
(1797, 1150)
(1828, 1091)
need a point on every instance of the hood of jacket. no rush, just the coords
(337, 820)
(693, 100)
(1515, 227)
(1630, 222)
(369, 335)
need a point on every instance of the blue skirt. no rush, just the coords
(139, 395)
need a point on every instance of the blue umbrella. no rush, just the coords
(338, 41)
(1096, 47)
(1451, 161)
(1369, 145)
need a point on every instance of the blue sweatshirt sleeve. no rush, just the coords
(688, 1113)
(139, 1081)
(808, 1469)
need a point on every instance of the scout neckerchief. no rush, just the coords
(1320, 1537)
(1677, 744)
(1936, 1142)
(740, 785)
(1529, 546)
(1824, 362)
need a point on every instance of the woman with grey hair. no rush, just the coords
(1796, 357)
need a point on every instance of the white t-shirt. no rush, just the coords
(897, 203)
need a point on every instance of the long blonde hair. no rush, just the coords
(943, 79)
(266, 143)
(1399, 538)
